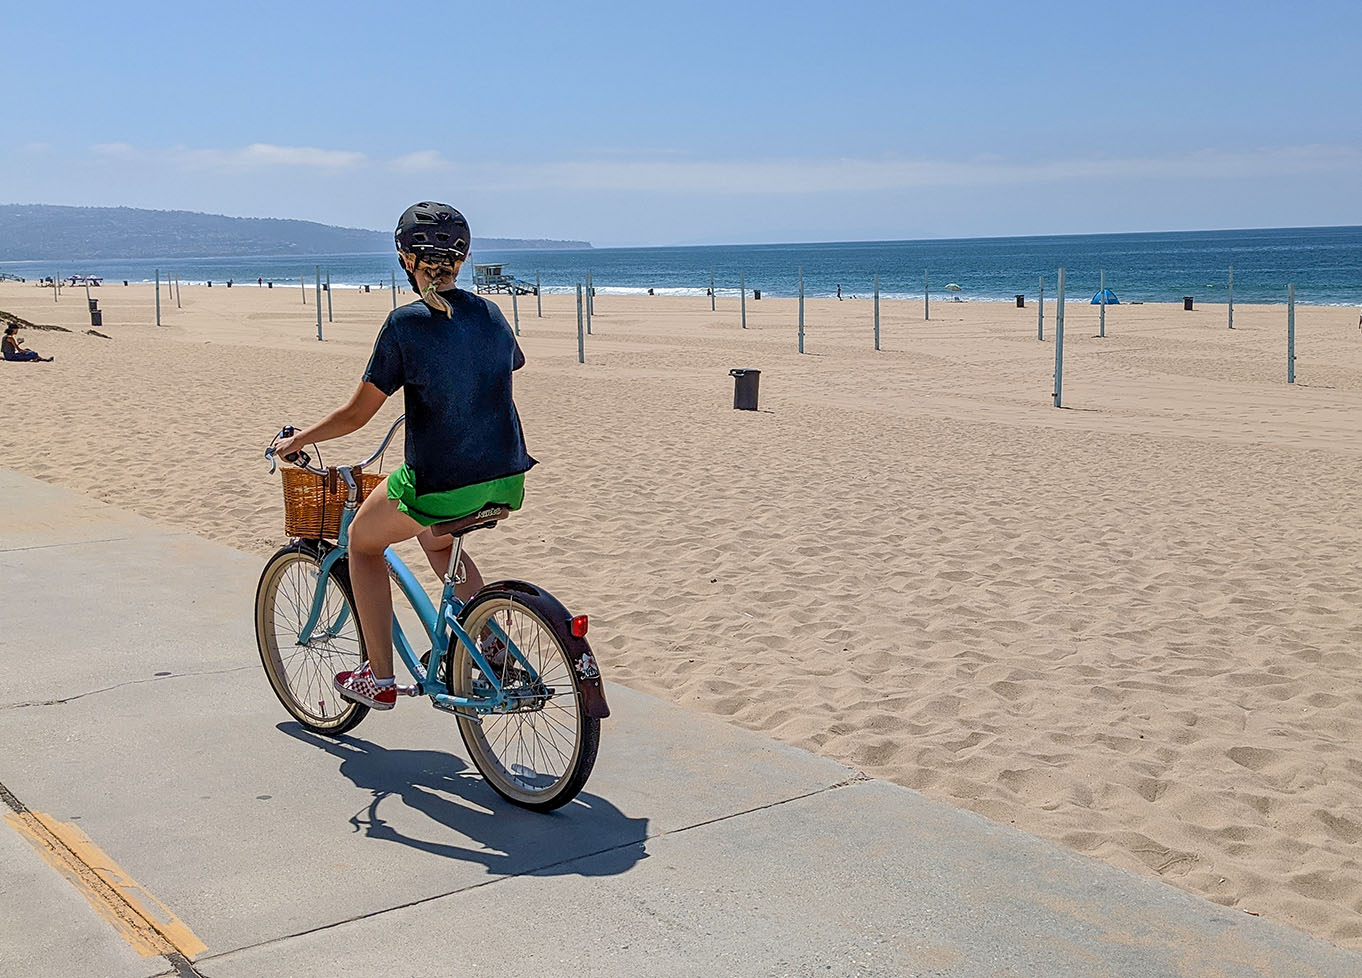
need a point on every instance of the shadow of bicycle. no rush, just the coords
(507, 840)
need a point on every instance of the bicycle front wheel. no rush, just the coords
(301, 673)
(540, 754)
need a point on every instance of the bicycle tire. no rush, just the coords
(518, 779)
(290, 673)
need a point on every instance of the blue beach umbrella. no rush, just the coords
(1111, 298)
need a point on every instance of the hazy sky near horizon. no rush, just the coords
(704, 122)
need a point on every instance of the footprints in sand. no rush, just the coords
(1253, 758)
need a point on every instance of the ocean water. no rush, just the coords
(1325, 264)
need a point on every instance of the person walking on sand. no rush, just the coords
(839, 291)
(452, 353)
(12, 347)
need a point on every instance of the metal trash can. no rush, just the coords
(745, 381)
(366, 288)
(1021, 300)
(1187, 302)
(269, 285)
(94, 304)
(756, 293)
(96, 317)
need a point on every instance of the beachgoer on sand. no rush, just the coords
(452, 354)
(12, 347)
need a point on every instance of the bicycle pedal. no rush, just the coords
(408, 690)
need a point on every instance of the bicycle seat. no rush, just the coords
(485, 518)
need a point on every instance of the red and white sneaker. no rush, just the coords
(361, 687)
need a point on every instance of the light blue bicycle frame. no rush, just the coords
(441, 625)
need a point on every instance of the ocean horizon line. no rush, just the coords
(1323, 263)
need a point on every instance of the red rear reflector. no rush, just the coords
(579, 626)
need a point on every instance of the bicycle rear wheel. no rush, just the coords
(301, 674)
(540, 755)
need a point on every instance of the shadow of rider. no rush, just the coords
(504, 838)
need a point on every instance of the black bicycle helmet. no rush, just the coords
(429, 227)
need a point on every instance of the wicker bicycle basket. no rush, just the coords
(313, 504)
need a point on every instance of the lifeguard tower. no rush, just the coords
(492, 277)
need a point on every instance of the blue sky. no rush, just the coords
(631, 124)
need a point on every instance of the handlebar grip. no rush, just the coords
(299, 457)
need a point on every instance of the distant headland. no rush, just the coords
(34, 232)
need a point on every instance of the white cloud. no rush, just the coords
(119, 150)
(254, 156)
(422, 161)
(259, 155)
(852, 175)
(659, 172)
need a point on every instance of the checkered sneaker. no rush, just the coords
(361, 687)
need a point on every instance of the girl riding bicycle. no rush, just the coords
(452, 354)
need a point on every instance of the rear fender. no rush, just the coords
(579, 652)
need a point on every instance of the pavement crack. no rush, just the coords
(130, 682)
(856, 778)
(184, 968)
(82, 543)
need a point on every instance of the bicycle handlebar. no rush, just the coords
(304, 461)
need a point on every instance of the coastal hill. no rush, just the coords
(33, 232)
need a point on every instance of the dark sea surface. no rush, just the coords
(1325, 264)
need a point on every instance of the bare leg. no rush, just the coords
(438, 550)
(378, 524)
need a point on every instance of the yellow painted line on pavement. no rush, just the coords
(143, 921)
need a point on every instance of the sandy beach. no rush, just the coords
(1131, 625)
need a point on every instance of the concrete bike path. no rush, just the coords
(140, 721)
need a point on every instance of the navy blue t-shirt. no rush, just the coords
(455, 375)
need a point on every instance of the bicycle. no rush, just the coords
(512, 664)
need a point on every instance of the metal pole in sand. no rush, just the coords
(1291, 334)
(742, 291)
(328, 295)
(926, 295)
(393, 277)
(581, 339)
(588, 302)
(177, 290)
(515, 310)
(711, 290)
(158, 297)
(54, 286)
(877, 310)
(1059, 343)
(1102, 316)
(1040, 310)
(319, 302)
(1231, 297)
(538, 296)
(801, 310)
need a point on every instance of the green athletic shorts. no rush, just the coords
(439, 507)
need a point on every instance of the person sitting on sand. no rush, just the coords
(13, 348)
(452, 354)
